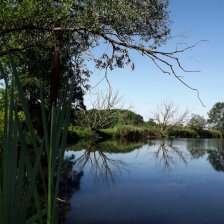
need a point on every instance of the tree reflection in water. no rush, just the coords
(101, 166)
(216, 156)
(70, 178)
(168, 154)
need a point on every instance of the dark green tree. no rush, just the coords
(197, 122)
(216, 116)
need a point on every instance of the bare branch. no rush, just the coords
(169, 115)
(106, 108)
(159, 58)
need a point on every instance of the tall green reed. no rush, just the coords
(20, 198)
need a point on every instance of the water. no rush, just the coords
(161, 182)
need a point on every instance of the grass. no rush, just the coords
(76, 133)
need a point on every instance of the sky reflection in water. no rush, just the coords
(178, 181)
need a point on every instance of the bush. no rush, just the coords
(182, 132)
(109, 133)
(211, 133)
(76, 133)
(186, 132)
(130, 132)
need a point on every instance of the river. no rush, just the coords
(157, 182)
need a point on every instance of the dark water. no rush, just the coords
(179, 181)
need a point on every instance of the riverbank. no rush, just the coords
(133, 133)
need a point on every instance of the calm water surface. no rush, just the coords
(160, 182)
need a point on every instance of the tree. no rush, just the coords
(197, 122)
(169, 115)
(50, 41)
(104, 111)
(216, 116)
(63, 29)
(129, 118)
(151, 123)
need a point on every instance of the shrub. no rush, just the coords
(130, 132)
(109, 133)
(76, 133)
(182, 132)
(213, 133)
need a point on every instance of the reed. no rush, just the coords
(21, 168)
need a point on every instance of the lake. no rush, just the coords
(159, 182)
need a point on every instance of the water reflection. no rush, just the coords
(216, 156)
(100, 164)
(70, 178)
(168, 154)
(99, 160)
(144, 194)
(197, 147)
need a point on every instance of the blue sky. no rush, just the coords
(146, 87)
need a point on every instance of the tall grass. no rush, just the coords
(21, 169)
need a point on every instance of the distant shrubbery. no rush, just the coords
(186, 132)
(130, 132)
(131, 127)
(183, 132)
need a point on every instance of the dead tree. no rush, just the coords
(106, 108)
(169, 115)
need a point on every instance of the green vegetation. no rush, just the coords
(216, 116)
(22, 172)
(43, 53)
(107, 146)
(168, 123)
(43, 72)
(195, 128)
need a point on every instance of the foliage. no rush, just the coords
(151, 123)
(216, 116)
(1, 129)
(109, 133)
(76, 133)
(187, 132)
(182, 132)
(101, 119)
(211, 133)
(120, 25)
(130, 118)
(197, 122)
(103, 112)
(132, 133)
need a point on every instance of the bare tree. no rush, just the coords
(169, 115)
(106, 108)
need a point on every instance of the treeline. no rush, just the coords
(128, 125)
